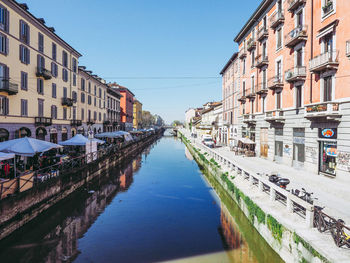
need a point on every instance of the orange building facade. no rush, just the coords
(293, 84)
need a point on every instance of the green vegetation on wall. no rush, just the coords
(297, 239)
(275, 227)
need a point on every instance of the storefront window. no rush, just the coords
(328, 157)
(298, 146)
(278, 148)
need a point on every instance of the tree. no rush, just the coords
(147, 119)
(176, 123)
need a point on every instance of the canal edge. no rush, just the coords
(291, 247)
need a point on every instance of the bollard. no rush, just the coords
(272, 194)
(309, 218)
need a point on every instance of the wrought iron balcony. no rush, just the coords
(348, 48)
(251, 95)
(9, 87)
(242, 53)
(67, 102)
(263, 33)
(294, 4)
(275, 116)
(76, 123)
(262, 88)
(44, 73)
(325, 61)
(276, 19)
(242, 99)
(327, 8)
(116, 123)
(90, 122)
(249, 118)
(43, 121)
(296, 36)
(262, 61)
(328, 110)
(295, 74)
(275, 83)
(251, 44)
(106, 122)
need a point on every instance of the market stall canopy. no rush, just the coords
(6, 156)
(246, 141)
(79, 140)
(117, 134)
(27, 146)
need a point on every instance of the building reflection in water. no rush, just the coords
(61, 243)
(237, 248)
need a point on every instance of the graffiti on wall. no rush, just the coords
(343, 161)
(311, 153)
(287, 150)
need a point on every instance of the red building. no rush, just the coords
(126, 106)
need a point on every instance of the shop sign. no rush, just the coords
(327, 133)
(331, 150)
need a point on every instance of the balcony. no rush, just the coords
(327, 8)
(44, 73)
(295, 74)
(262, 88)
(67, 102)
(348, 48)
(9, 87)
(294, 4)
(263, 33)
(275, 83)
(262, 61)
(43, 121)
(90, 122)
(276, 19)
(251, 94)
(325, 61)
(251, 44)
(115, 123)
(249, 119)
(296, 36)
(242, 99)
(326, 110)
(275, 116)
(106, 122)
(76, 123)
(242, 53)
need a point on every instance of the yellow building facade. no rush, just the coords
(38, 78)
(137, 114)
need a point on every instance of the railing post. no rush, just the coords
(261, 186)
(251, 180)
(289, 204)
(272, 194)
(309, 218)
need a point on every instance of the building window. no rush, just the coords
(4, 19)
(89, 99)
(298, 96)
(24, 54)
(95, 115)
(99, 93)
(327, 7)
(279, 71)
(54, 51)
(40, 86)
(64, 92)
(64, 113)
(243, 88)
(279, 38)
(89, 87)
(74, 96)
(253, 58)
(54, 112)
(299, 57)
(264, 79)
(24, 107)
(4, 44)
(278, 100)
(40, 107)
(89, 115)
(74, 79)
(64, 58)
(41, 62)
(99, 116)
(41, 42)
(54, 90)
(4, 105)
(95, 90)
(327, 89)
(82, 114)
(54, 69)
(95, 103)
(252, 85)
(75, 65)
(64, 75)
(24, 80)
(82, 97)
(243, 66)
(24, 33)
(82, 84)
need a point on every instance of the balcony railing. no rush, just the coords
(324, 109)
(275, 82)
(296, 36)
(251, 44)
(43, 121)
(242, 53)
(251, 93)
(276, 19)
(327, 8)
(44, 73)
(294, 4)
(249, 118)
(67, 102)
(106, 122)
(263, 33)
(9, 87)
(262, 61)
(90, 122)
(325, 61)
(348, 48)
(295, 74)
(262, 88)
(76, 123)
(242, 98)
(274, 116)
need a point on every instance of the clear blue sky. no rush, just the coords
(169, 53)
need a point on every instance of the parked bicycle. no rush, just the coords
(306, 196)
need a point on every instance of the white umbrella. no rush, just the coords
(79, 140)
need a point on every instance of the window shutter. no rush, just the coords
(28, 56)
(20, 53)
(7, 21)
(6, 106)
(38, 61)
(6, 46)
(28, 34)
(38, 85)
(20, 29)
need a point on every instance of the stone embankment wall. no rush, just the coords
(289, 245)
(19, 209)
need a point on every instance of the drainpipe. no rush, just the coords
(312, 44)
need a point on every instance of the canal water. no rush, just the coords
(157, 207)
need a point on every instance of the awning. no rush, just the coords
(246, 141)
(6, 156)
